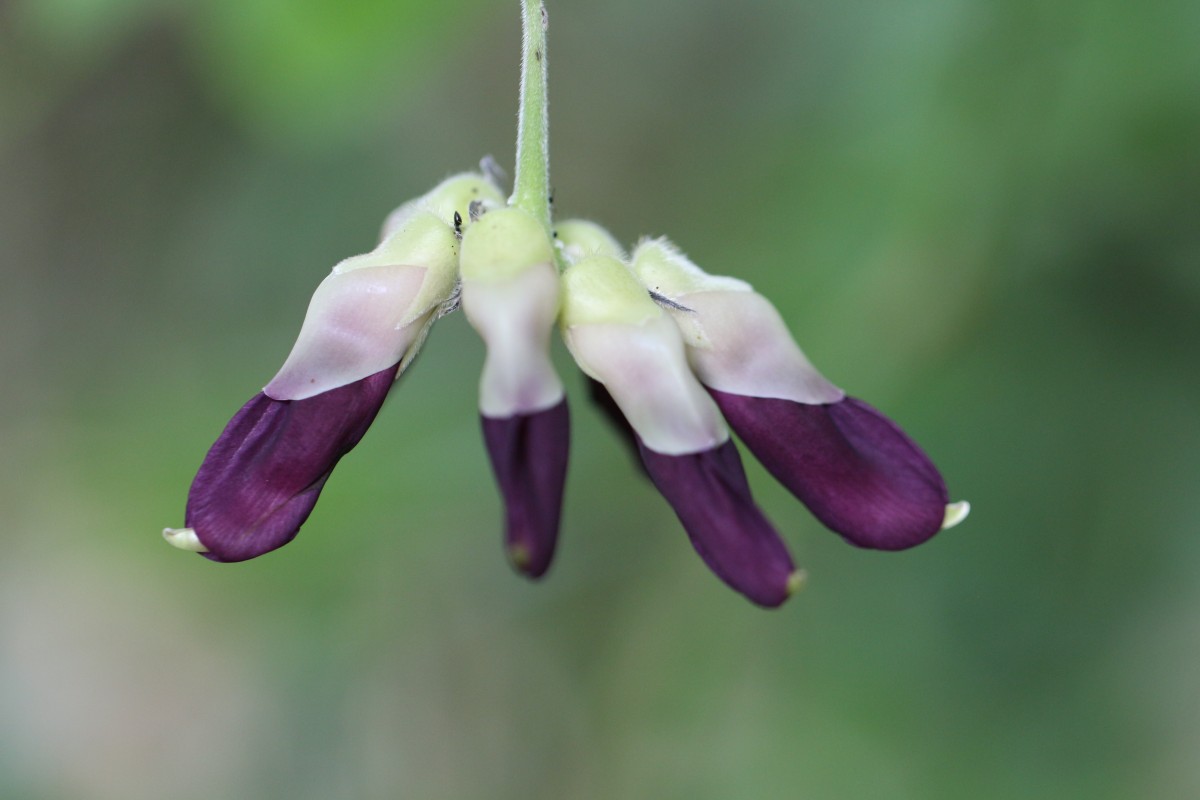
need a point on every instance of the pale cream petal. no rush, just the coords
(738, 343)
(514, 316)
(353, 329)
(644, 369)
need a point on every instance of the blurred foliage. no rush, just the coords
(304, 71)
(980, 216)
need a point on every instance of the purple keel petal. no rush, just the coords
(262, 477)
(853, 467)
(711, 497)
(529, 458)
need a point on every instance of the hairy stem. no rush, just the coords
(531, 184)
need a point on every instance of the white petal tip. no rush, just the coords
(184, 539)
(797, 581)
(956, 513)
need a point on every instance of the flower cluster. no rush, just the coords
(681, 356)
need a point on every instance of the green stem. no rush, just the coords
(531, 184)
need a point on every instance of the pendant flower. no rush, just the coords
(366, 322)
(510, 293)
(621, 338)
(855, 469)
(679, 358)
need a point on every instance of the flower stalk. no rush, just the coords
(531, 184)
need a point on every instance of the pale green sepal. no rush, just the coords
(602, 289)
(581, 238)
(502, 244)
(423, 326)
(664, 269)
(398, 217)
(455, 194)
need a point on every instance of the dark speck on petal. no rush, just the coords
(854, 468)
(711, 497)
(529, 458)
(261, 479)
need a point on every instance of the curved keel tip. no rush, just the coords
(955, 513)
(184, 539)
(797, 581)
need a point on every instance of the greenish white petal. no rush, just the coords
(421, 240)
(355, 327)
(737, 341)
(747, 349)
(644, 369)
(514, 317)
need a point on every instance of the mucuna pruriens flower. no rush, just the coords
(510, 295)
(364, 325)
(262, 477)
(676, 356)
(622, 339)
(855, 469)
(679, 356)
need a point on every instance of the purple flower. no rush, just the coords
(622, 339)
(510, 291)
(365, 324)
(681, 356)
(855, 469)
(261, 479)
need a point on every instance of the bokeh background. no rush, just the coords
(980, 216)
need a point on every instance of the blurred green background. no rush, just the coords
(980, 216)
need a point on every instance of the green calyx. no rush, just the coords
(600, 289)
(581, 238)
(456, 194)
(503, 243)
(420, 239)
(664, 269)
